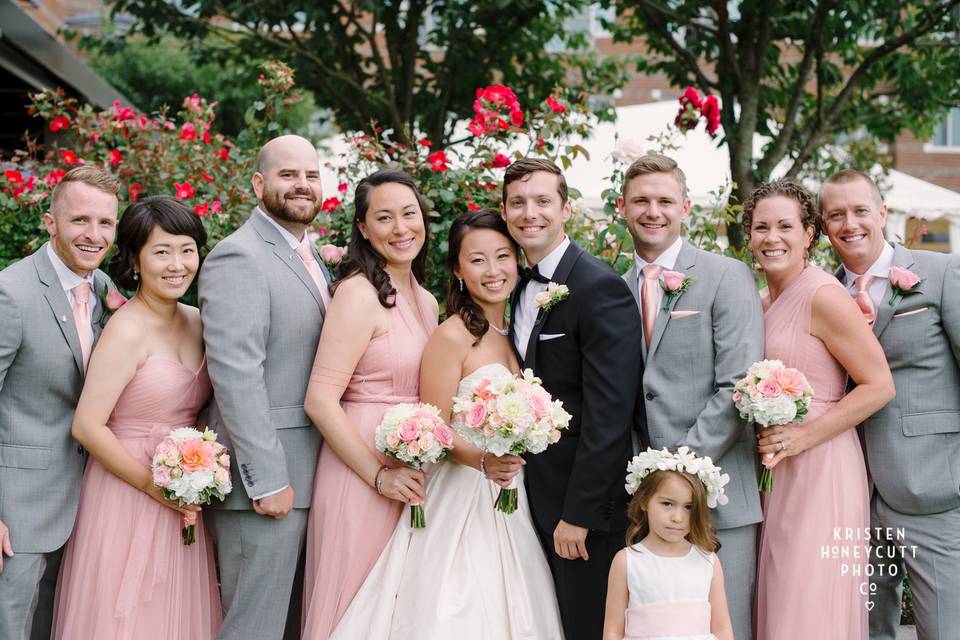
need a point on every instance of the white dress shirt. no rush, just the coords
(69, 280)
(880, 270)
(525, 316)
(667, 260)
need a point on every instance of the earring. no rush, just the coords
(461, 283)
(136, 275)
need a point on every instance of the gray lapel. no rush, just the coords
(57, 299)
(685, 264)
(287, 256)
(901, 258)
(632, 278)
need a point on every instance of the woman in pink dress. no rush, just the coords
(126, 572)
(807, 587)
(368, 360)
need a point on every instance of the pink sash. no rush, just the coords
(686, 618)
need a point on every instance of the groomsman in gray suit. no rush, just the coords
(50, 317)
(912, 298)
(703, 327)
(263, 295)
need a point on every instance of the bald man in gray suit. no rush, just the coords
(263, 296)
(696, 345)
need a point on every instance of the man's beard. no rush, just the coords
(276, 205)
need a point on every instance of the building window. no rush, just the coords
(947, 133)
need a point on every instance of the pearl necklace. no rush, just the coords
(504, 332)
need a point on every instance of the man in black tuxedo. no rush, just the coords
(586, 347)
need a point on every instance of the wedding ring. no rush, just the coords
(782, 446)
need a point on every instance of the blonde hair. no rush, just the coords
(655, 163)
(702, 532)
(88, 175)
(845, 176)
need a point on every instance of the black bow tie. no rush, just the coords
(527, 274)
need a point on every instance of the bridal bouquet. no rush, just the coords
(508, 414)
(414, 434)
(772, 394)
(192, 468)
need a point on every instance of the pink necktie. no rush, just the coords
(864, 301)
(650, 298)
(306, 256)
(81, 317)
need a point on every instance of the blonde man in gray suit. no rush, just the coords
(913, 443)
(263, 296)
(697, 344)
(50, 317)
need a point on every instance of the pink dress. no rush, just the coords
(810, 581)
(350, 524)
(126, 573)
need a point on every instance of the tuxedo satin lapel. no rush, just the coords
(686, 264)
(286, 255)
(512, 335)
(901, 258)
(56, 297)
(560, 276)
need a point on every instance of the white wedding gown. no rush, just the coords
(472, 573)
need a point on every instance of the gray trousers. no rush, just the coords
(27, 586)
(738, 557)
(258, 560)
(933, 570)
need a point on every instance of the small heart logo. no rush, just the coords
(870, 604)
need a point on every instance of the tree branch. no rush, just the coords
(651, 11)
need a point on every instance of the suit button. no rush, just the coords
(650, 395)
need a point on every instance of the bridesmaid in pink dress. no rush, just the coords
(804, 589)
(368, 359)
(126, 573)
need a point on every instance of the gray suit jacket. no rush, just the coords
(41, 375)
(692, 365)
(262, 316)
(913, 443)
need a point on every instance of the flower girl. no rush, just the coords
(667, 584)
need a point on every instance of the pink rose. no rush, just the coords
(541, 298)
(115, 300)
(476, 415)
(672, 280)
(413, 448)
(332, 254)
(736, 396)
(426, 440)
(482, 391)
(554, 436)
(221, 477)
(393, 440)
(769, 388)
(443, 435)
(224, 460)
(791, 381)
(161, 476)
(166, 447)
(903, 279)
(539, 404)
(409, 431)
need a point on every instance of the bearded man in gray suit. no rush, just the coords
(912, 298)
(263, 295)
(50, 317)
(703, 327)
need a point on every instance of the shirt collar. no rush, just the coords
(879, 269)
(551, 261)
(289, 237)
(667, 259)
(68, 279)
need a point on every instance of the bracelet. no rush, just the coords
(377, 480)
(483, 467)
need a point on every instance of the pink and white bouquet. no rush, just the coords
(772, 394)
(192, 468)
(414, 434)
(509, 414)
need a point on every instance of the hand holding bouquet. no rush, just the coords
(414, 434)
(772, 394)
(507, 414)
(191, 467)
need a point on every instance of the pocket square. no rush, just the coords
(682, 314)
(910, 313)
(550, 336)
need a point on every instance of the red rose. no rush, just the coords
(134, 190)
(438, 161)
(473, 207)
(224, 154)
(342, 187)
(691, 96)
(188, 132)
(115, 157)
(69, 157)
(423, 142)
(184, 190)
(15, 177)
(330, 204)
(54, 177)
(202, 210)
(60, 122)
(500, 161)
(555, 105)
(710, 109)
(215, 206)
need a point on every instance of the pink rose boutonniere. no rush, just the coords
(332, 254)
(673, 284)
(903, 282)
(110, 301)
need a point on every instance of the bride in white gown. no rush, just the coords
(473, 572)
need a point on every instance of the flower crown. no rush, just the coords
(683, 460)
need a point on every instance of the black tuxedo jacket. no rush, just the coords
(587, 351)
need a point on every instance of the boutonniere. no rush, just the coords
(903, 282)
(673, 284)
(555, 293)
(110, 301)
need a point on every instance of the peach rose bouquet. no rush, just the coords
(192, 468)
(772, 394)
(414, 434)
(508, 414)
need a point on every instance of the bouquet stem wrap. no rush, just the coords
(507, 498)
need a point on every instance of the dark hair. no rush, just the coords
(361, 256)
(702, 532)
(139, 220)
(460, 301)
(524, 167)
(809, 217)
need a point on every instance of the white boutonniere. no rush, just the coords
(555, 293)
(903, 282)
(673, 284)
